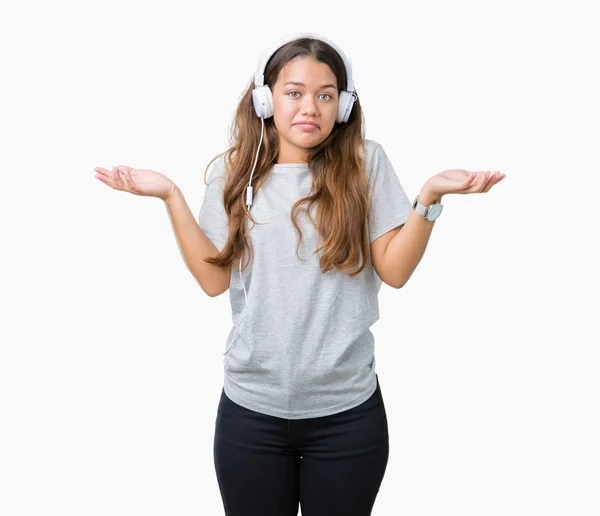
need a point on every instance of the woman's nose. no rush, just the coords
(308, 105)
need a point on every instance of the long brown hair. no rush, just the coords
(339, 183)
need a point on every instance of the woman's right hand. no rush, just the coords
(139, 182)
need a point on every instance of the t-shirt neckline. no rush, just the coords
(290, 167)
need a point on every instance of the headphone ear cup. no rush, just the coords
(344, 106)
(262, 99)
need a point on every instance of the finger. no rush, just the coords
(486, 179)
(469, 178)
(479, 180)
(124, 172)
(118, 179)
(123, 176)
(470, 181)
(100, 177)
(121, 169)
(129, 180)
(496, 178)
(107, 179)
(490, 182)
(100, 174)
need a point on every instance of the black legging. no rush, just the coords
(331, 466)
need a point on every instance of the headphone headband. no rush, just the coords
(259, 78)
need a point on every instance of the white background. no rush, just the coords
(111, 362)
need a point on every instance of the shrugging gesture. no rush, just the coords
(139, 182)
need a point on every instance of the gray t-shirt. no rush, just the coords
(301, 347)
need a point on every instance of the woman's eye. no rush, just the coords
(299, 92)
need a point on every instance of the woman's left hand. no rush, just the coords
(461, 182)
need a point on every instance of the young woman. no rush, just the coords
(301, 419)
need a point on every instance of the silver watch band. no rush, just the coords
(420, 208)
(431, 212)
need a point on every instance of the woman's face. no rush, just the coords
(315, 100)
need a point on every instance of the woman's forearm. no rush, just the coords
(405, 250)
(194, 245)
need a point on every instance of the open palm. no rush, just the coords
(139, 182)
(463, 182)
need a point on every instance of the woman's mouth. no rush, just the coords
(307, 127)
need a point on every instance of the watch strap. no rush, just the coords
(420, 208)
(424, 211)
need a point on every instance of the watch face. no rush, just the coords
(434, 212)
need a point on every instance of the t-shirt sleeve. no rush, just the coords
(390, 206)
(213, 218)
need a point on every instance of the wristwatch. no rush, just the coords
(429, 212)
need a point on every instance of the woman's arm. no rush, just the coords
(194, 245)
(406, 248)
(404, 252)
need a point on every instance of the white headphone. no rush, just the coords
(262, 98)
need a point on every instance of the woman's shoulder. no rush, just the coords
(371, 151)
(370, 145)
(218, 168)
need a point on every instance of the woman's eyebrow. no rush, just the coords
(302, 84)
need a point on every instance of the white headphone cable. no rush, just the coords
(248, 203)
